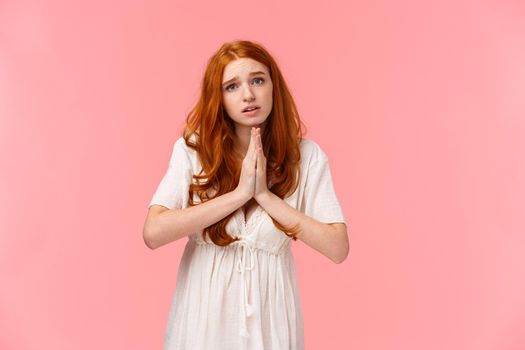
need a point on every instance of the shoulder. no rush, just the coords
(182, 156)
(311, 151)
(181, 148)
(185, 156)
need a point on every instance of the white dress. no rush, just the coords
(245, 295)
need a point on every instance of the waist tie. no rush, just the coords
(246, 308)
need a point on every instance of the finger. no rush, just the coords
(259, 143)
(254, 156)
(255, 142)
(258, 155)
(263, 158)
(251, 145)
(261, 155)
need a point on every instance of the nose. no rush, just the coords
(247, 94)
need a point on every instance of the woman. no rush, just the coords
(236, 285)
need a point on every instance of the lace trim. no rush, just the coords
(254, 219)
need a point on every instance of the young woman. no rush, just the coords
(241, 185)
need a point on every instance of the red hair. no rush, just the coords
(214, 133)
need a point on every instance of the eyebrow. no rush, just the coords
(235, 78)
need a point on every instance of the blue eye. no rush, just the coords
(228, 87)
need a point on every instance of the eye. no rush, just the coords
(228, 87)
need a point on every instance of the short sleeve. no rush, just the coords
(319, 199)
(172, 192)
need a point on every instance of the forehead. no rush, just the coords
(241, 68)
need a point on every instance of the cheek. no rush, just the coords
(269, 92)
(227, 103)
(230, 106)
(269, 97)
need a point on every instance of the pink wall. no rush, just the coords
(419, 106)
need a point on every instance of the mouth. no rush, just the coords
(250, 109)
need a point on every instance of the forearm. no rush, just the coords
(323, 237)
(174, 224)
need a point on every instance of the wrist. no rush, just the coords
(264, 197)
(241, 196)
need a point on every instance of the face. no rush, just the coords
(246, 82)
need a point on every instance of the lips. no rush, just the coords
(250, 108)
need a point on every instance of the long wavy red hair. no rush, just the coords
(214, 135)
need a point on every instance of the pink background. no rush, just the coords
(419, 106)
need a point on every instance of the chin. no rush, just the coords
(250, 121)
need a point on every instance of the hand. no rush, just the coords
(261, 186)
(247, 178)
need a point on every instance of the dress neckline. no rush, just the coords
(252, 220)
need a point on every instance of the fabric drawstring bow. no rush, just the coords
(246, 308)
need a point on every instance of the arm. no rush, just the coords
(165, 225)
(331, 240)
